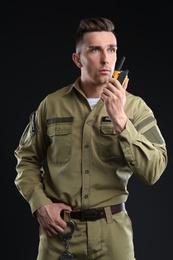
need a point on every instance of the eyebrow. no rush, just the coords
(98, 46)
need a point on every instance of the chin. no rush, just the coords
(105, 79)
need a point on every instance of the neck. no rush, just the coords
(92, 91)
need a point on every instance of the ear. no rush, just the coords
(76, 59)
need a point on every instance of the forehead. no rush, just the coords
(99, 39)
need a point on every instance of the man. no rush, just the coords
(80, 148)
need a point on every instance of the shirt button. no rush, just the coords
(132, 163)
(122, 138)
(86, 171)
(89, 122)
(86, 196)
(86, 145)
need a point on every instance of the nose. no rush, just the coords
(104, 58)
(105, 62)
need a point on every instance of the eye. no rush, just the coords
(95, 49)
(112, 49)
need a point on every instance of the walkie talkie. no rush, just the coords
(119, 74)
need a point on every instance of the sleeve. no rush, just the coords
(30, 155)
(143, 145)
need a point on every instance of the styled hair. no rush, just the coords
(97, 24)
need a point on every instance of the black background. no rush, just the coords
(36, 48)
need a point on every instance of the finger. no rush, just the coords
(126, 83)
(114, 84)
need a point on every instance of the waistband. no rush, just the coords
(97, 213)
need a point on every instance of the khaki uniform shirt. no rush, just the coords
(72, 154)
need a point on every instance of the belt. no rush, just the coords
(94, 214)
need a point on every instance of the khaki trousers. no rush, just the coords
(104, 239)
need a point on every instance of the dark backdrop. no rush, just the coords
(37, 44)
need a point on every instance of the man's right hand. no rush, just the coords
(49, 218)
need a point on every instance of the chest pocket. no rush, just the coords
(59, 132)
(109, 149)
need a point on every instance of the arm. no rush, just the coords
(138, 133)
(30, 154)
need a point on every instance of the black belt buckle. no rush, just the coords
(89, 214)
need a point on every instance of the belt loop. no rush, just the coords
(67, 217)
(108, 214)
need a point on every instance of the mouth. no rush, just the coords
(104, 71)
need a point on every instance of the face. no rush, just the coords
(97, 56)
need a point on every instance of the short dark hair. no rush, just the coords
(97, 24)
